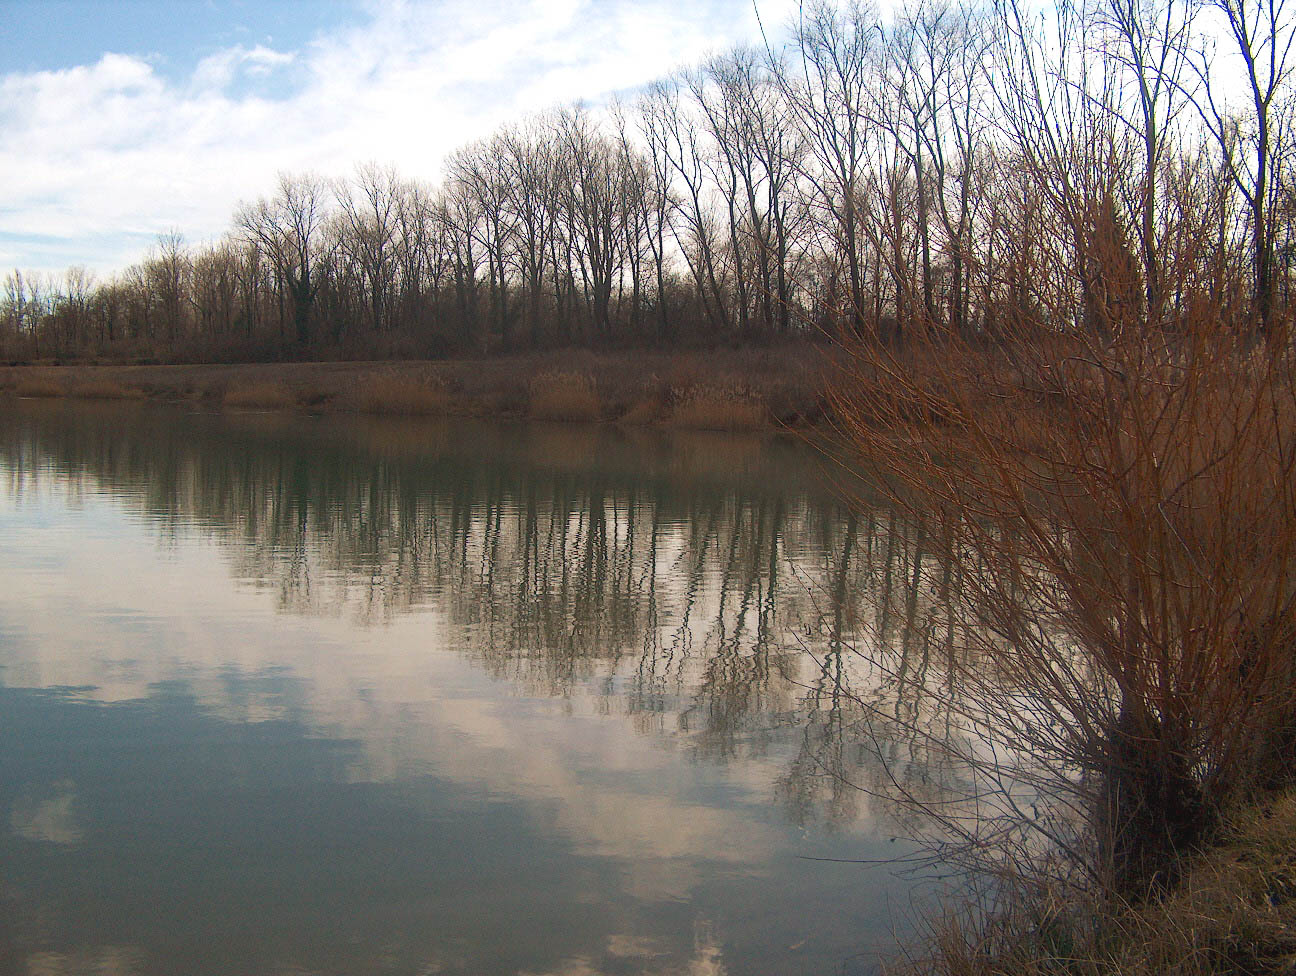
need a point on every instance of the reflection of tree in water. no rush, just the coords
(875, 718)
(724, 604)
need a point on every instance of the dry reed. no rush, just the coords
(564, 395)
(704, 407)
(259, 396)
(387, 393)
(39, 386)
(104, 389)
(645, 410)
(1233, 913)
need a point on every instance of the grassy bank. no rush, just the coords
(1232, 914)
(748, 389)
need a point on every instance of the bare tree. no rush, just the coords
(937, 59)
(656, 203)
(168, 270)
(1262, 34)
(461, 213)
(16, 310)
(673, 136)
(73, 305)
(595, 208)
(478, 170)
(1055, 104)
(1149, 42)
(214, 289)
(369, 209)
(827, 91)
(288, 229)
(422, 255)
(532, 189)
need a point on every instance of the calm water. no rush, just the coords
(286, 695)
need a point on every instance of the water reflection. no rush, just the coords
(410, 685)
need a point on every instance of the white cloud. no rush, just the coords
(220, 69)
(47, 814)
(97, 159)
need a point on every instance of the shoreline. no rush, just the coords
(751, 390)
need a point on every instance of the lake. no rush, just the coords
(284, 695)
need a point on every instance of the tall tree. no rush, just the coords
(288, 229)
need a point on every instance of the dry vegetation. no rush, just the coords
(718, 408)
(388, 393)
(259, 396)
(38, 386)
(1122, 509)
(104, 389)
(1233, 914)
(564, 395)
(633, 387)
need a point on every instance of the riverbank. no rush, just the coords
(1232, 914)
(744, 389)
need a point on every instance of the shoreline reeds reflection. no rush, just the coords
(709, 587)
(669, 662)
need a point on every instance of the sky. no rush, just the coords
(121, 120)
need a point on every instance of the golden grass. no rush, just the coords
(1234, 914)
(105, 389)
(259, 396)
(39, 386)
(718, 408)
(645, 410)
(633, 386)
(386, 393)
(564, 395)
(1236, 910)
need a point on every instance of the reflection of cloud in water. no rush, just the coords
(623, 653)
(636, 946)
(100, 961)
(125, 622)
(47, 813)
(646, 955)
(686, 614)
(621, 794)
(401, 697)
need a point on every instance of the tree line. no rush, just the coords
(961, 165)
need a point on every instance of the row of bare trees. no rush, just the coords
(949, 167)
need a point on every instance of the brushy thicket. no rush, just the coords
(1122, 512)
(1126, 516)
